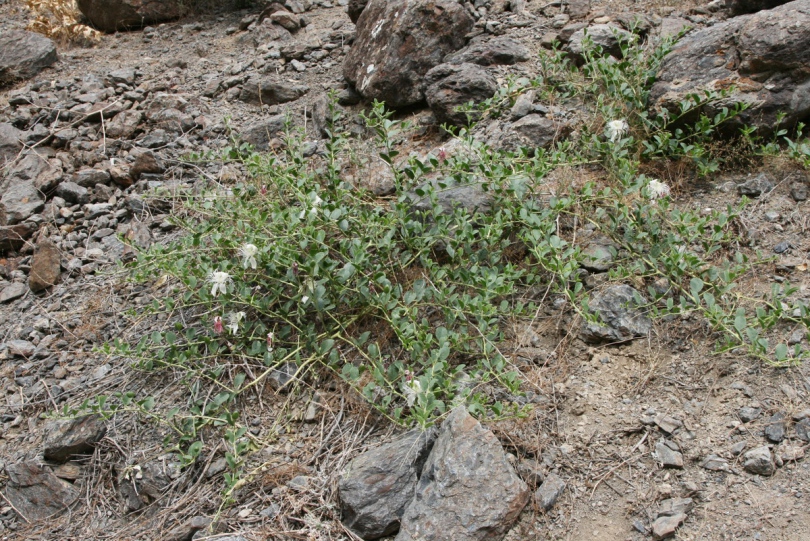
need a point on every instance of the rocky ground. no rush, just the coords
(650, 438)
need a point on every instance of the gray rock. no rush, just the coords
(121, 76)
(114, 15)
(146, 162)
(468, 489)
(378, 484)
(281, 378)
(73, 193)
(598, 255)
(355, 8)
(667, 456)
(802, 429)
(531, 472)
(621, 319)
(46, 268)
(675, 506)
(24, 54)
(69, 437)
(124, 125)
(489, 52)
(549, 492)
(532, 131)
(471, 197)
(799, 192)
(759, 461)
(43, 173)
(19, 202)
(605, 36)
(756, 186)
(398, 41)
(12, 291)
(21, 348)
(748, 414)
(665, 526)
(449, 86)
(10, 145)
(260, 133)
(36, 493)
(775, 427)
(88, 178)
(524, 105)
(763, 57)
(715, 463)
(271, 92)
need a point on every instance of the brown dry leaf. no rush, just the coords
(59, 19)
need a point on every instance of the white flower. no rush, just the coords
(316, 201)
(412, 389)
(248, 253)
(304, 299)
(657, 189)
(616, 129)
(220, 280)
(233, 321)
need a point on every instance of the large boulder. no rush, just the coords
(760, 59)
(23, 54)
(378, 484)
(398, 41)
(114, 15)
(449, 86)
(468, 490)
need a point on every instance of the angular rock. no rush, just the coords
(69, 437)
(10, 145)
(115, 15)
(597, 255)
(260, 133)
(606, 36)
(271, 92)
(471, 197)
(532, 131)
(379, 484)
(21, 348)
(449, 86)
(748, 414)
(13, 237)
(20, 200)
(498, 50)
(549, 492)
(524, 105)
(802, 429)
(675, 506)
(756, 186)
(146, 163)
(775, 427)
(398, 41)
(24, 54)
(12, 291)
(759, 461)
(763, 56)
(46, 268)
(620, 317)
(468, 489)
(668, 457)
(665, 526)
(715, 463)
(73, 193)
(88, 178)
(36, 493)
(124, 125)
(43, 173)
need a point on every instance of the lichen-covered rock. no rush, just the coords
(378, 484)
(620, 317)
(468, 490)
(398, 41)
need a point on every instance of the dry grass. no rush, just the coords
(60, 20)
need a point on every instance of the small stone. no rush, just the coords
(665, 526)
(775, 429)
(282, 377)
(549, 492)
(802, 429)
(715, 463)
(73, 193)
(531, 472)
(759, 461)
(799, 192)
(12, 292)
(748, 414)
(46, 267)
(675, 506)
(21, 348)
(756, 186)
(782, 247)
(738, 448)
(668, 457)
(668, 424)
(790, 453)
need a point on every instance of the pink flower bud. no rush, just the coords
(218, 325)
(270, 341)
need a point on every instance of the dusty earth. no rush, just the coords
(602, 410)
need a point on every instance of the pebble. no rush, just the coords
(550, 491)
(668, 454)
(759, 461)
(775, 429)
